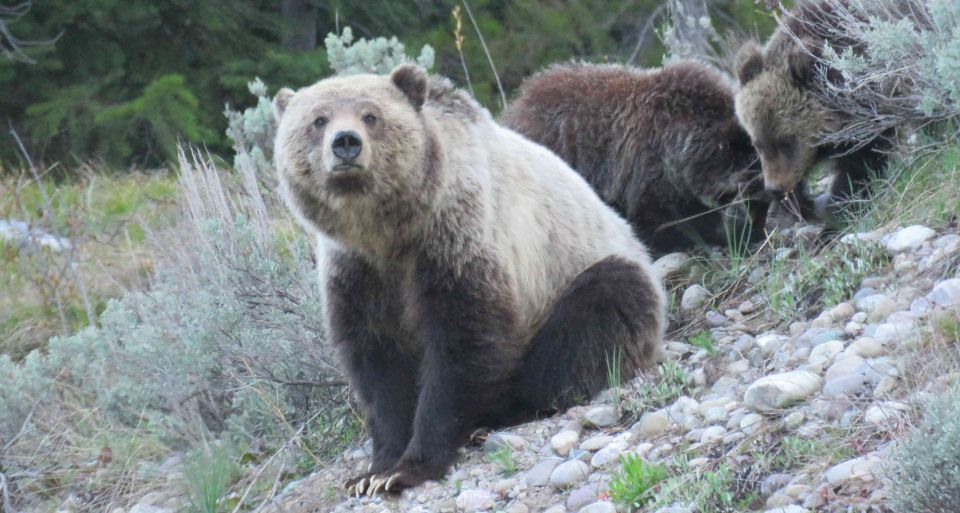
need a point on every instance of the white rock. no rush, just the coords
(563, 441)
(595, 443)
(823, 355)
(907, 238)
(866, 347)
(751, 423)
(475, 500)
(946, 293)
(777, 391)
(652, 424)
(672, 265)
(601, 416)
(794, 420)
(843, 367)
(769, 343)
(569, 473)
(694, 297)
(858, 468)
(556, 509)
(792, 508)
(712, 434)
(149, 508)
(539, 475)
(517, 507)
(605, 456)
(885, 413)
(599, 507)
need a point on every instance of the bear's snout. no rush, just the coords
(347, 145)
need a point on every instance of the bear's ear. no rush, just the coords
(749, 62)
(281, 100)
(412, 81)
(802, 61)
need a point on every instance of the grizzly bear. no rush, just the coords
(471, 278)
(780, 105)
(662, 146)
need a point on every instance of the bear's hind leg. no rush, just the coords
(608, 318)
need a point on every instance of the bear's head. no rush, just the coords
(349, 144)
(780, 112)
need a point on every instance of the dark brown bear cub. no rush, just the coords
(471, 277)
(662, 146)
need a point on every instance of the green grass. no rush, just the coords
(704, 340)
(209, 473)
(505, 459)
(633, 486)
(669, 384)
(106, 218)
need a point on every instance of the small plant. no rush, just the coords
(209, 472)
(710, 491)
(704, 340)
(380, 55)
(924, 471)
(670, 383)
(615, 376)
(504, 458)
(635, 483)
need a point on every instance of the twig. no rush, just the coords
(651, 19)
(503, 96)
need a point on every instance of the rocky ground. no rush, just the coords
(748, 412)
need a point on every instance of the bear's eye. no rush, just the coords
(320, 122)
(370, 119)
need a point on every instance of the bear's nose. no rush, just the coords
(347, 145)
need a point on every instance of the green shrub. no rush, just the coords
(925, 469)
(634, 484)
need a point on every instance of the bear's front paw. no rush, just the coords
(358, 485)
(399, 478)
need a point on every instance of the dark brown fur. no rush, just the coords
(660, 146)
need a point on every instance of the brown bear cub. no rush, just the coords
(779, 105)
(662, 146)
(471, 278)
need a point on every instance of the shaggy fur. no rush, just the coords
(778, 106)
(661, 146)
(471, 277)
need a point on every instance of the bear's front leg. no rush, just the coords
(465, 320)
(363, 309)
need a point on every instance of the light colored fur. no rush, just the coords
(490, 196)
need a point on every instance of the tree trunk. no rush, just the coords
(300, 25)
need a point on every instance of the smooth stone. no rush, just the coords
(694, 297)
(885, 413)
(857, 468)
(751, 423)
(946, 293)
(794, 420)
(672, 265)
(563, 441)
(607, 455)
(556, 509)
(599, 507)
(475, 500)
(843, 367)
(777, 391)
(582, 496)
(569, 473)
(825, 336)
(844, 386)
(769, 343)
(601, 416)
(517, 507)
(792, 508)
(539, 475)
(866, 347)
(907, 238)
(712, 434)
(823, 355)
(652, 424)
(595, 443)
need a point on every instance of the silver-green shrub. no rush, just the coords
(227, 339)
(904, 72)
(925, 469)
(380, 55)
